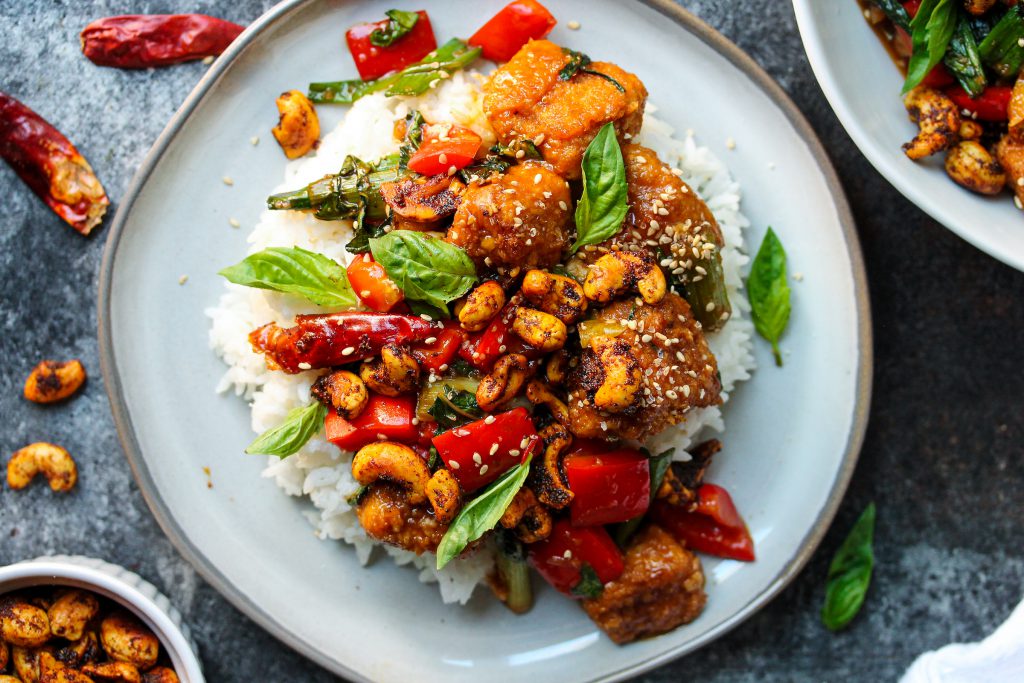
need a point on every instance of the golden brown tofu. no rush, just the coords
(661, 588)
(525, 98)
(521, 218)
(678, 372)
(1010, 153)
(387, 516)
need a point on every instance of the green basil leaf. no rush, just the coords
(1001, 49)
(964, 61)
(414, 123)
(931, 29)
(768, 292)
(481, 514)
(399, 24)
(849, 574)
(602, 207)
(589, 585)
(299, 426)
(425, 268)
(657, 465)
(580, 63)
(295, 271)
(454, 408)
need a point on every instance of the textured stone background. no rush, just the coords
(942, 457)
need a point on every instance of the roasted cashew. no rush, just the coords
(25, 662)
(970, 129)
(530, 520)
(71, 613)
(971, 166)
(546, 479)
(444, 495)
(5, 655)
(540, 330)
(501, 385)
(53, 381)
(22, 623)
(395, 372)
(126, 639)
(117, 672)
(9, 679)
(160, 674)
(978, 7)
(618, 271)
(343, 391)
(394, 463)
(82, 651)
(53, 671)
(558, 295)
(481, 305)
(937, 117)
(557, 367)
(622, 375)
(55, 463)
(298, 128)
(539, 393)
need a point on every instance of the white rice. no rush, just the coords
(319, 470)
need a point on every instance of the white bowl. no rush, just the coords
(863, 86)
(123, 587)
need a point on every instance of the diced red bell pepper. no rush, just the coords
(992, 105)
(560, 557)
(435, 356)
(372, 284)
(373, 62)
(715, 527)
(390, 417)
(483, 348)
(516, 24)
(608, 487)
(445, 146)
(481, 451)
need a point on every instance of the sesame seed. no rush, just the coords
(208, 60)
(537, 178)
(1017, 203)
(477, 459)
(573, 25)
(1020, 42)
(348, 350)
(183, 279)
(452, 171)
(254, 140)
(798, 276)
(524, 443)
(430, 340)
(655, 224)
(515, 452)
(520, 154)
(364, 293)
(454, 465)
(483, 470)
(565, 207)
(1020, 181)
(539, 140)
(442, 367)
(233, 222)
(426, 317)
(494, 449)
(730, 143)
(228, 180)
(671, 394)
(305, 366)
(686, 390)
(646, 339)
(489, 420)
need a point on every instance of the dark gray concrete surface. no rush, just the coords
(943, 456)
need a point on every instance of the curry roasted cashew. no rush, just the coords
(547, 479)
(619, 271)
(622, 375)
(5, 655)
(481, 306)
(970, 129)
(525, 515)
(540, 330)
(22, 623)
(971, 166)
(160, 674)
(9, 679)
(343, 391)
(298, 128)
(558, 295)
(82, 651)
(539, 393)
(125, 639)
(394, 463)
(557, 367)
(114, 672)
(444, 495)
(71, 613)
(55, 463)
(53, 381)
(938, 119)
(25, 662)
(395, 372)
(52, 670)
(501, 385)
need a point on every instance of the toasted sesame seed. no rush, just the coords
(686, 390)
(453, 464)
(483, 470)
(233, 222)
(539, 140)
(514, 452)
(489, 420)
(537, 178)
(798, 276)
(183, 279)
(494, 449)
(208, 60)
(254, 140)
(305, 366)
(730, 143)
(348, 350)
(646, 339)
(364, 293)
(228, 180)
(562, 205)
(573, 25)
(477, 459)
(426, 317)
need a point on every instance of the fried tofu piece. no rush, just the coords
(388, 517)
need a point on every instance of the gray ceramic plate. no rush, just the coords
(793, 433)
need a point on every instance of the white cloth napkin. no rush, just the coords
(1000, 657)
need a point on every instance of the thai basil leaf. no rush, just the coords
(357, 495)
(849, 575)
(414, 79)
(963, 60)
(602, 207)
(518, 149)
(414, 123)
(482, 513)
(454, 408)
(580, 63)
(360, 242)
(426, 269)
(896, 12)
(590, 585)
(931, 29)
(768, 291)
(399, 25)
(658, 466)
(294, 270)
(300, 425)
(1001, 49)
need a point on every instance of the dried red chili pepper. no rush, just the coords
(51, 166)
(139, 41)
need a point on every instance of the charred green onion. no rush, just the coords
(351, 194)
(514, 573)
(1001, 50)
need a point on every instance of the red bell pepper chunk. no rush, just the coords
(560, 557)
(608, 487)
(715, 527)
(373, 62)
(939, 76)
(445, 146)
(484, 348)
(390, 417)
(372, 284)
(992, 105)
(481, 451)
(516, 24)
(436, 356)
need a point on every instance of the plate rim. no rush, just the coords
(810, 37)
(250, 608)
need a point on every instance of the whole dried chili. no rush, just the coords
(51, 166)
(139, 41)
